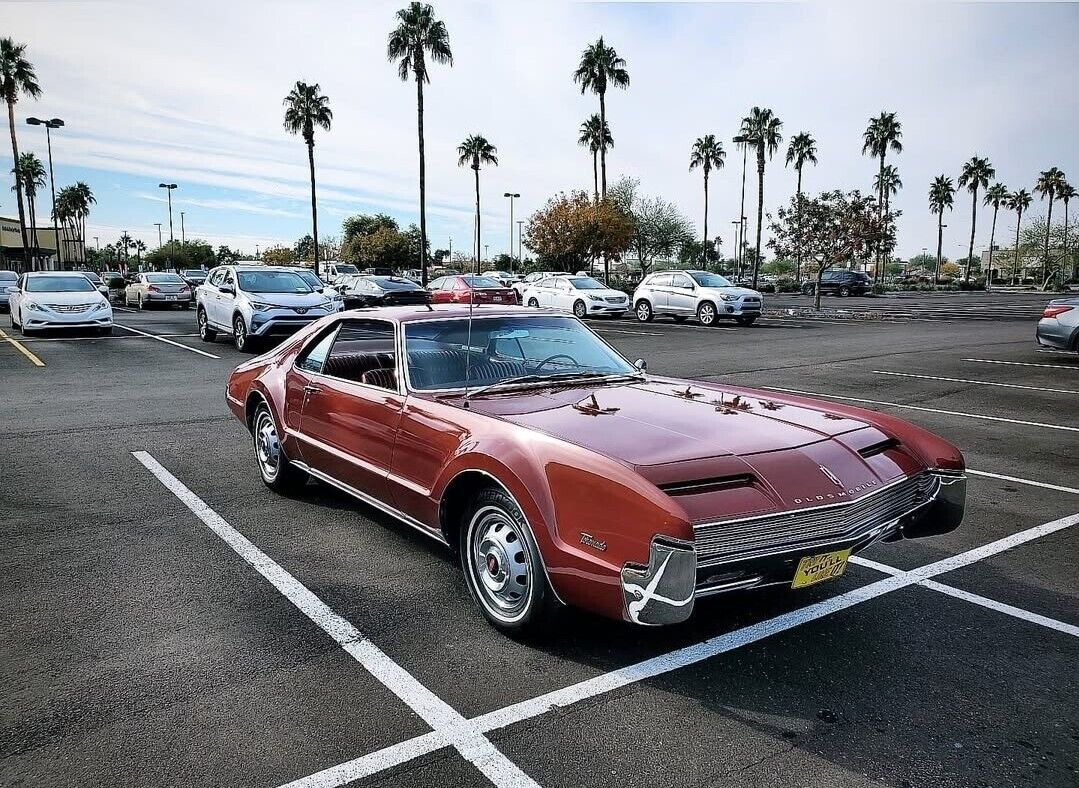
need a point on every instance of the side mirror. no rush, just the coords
(229, 289)
(640, 365)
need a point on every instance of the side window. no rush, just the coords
(564, 285)
(229, 279)
(458, 284)
(363, 351)
(215, 278)
(663, 280)
(681, 280)
(435, 285)
(315, 356)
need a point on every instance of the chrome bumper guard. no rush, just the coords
(662, 592)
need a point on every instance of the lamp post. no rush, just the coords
(520, 235)
(511, 195)
(183, 238)
(485, 255)
(158, 226)
(744, 141)
(169, 187)
(52, 123)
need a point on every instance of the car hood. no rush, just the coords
(731, 291)
(677, 434)
(604, 293)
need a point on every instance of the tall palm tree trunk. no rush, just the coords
(704, 246)
(423, 181)
(940, 246)
(880, 215)
(992, 238)
(18, 175)
(314, 209)
(760, 209)
(1048, 227)
(31, 204)
(1015, 263)
(973, 223)
(602, 146)
(798, 239)
(478, 242)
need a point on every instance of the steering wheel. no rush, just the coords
(549, 359)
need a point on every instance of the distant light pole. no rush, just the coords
(511, 195)
(484, 253)
(183, 238)
(97, 243)
(158, 226)
(52, 123)
(256, 251)
(737, 229)
(520, 236)
(744, 141)
(169, 187)
(451, 249)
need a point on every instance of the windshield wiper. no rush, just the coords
(553, 378)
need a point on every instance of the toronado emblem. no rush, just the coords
(831, 476)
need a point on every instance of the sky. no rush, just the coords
(191, 93)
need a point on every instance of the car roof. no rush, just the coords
(418, 314)
(58, 273)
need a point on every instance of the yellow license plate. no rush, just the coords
(815, 569)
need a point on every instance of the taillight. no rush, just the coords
(1053, 311)
(154, 289)
(185, 289)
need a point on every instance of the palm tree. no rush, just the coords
(941, 196)
(140, 247)
(888, 183)
(125, 242)
(880, 136)
(1018, 201)
(595, 134)
(473, 152)
(975, 174)
(1048, 185)
(996, 195)
(708, 154)
(801, 151)
(761, 128)
(600, 68)
(31, 173)
(1065, 194)
(305, 108)
(72, 208)
(16, 77)
(417, 37)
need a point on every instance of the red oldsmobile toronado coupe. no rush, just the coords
(563, 474)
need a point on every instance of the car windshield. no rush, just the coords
(586, 283)
(92, 276)
(393, 283)
(8, 276)
(164, 279)
(311, 279)
(448, 354)
(272, 282)
(59, 284)
(705, 279)
(345, 268)
(481, 281)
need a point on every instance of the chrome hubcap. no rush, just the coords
(707, 314)
(267, 447)
(240, 332)
(642, 311)
(501, 564)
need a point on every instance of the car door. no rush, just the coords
(681, 296)
(438, 295)
(225, 298)
(14, 299)
(352, 406)
(660, 288)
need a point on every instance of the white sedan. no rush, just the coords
(581, 295)
(58, 299)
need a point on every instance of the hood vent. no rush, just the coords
(878, 448)
(700, 486)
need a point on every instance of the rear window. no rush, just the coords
(481, 282)
(393, 283)
(164, 279)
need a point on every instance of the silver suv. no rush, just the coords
(685, 294)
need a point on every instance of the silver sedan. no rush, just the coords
(1059, 326)
(152, 288)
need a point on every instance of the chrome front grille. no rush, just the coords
(616, 300)
(732, 540)
(69, 308)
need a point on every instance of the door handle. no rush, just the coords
(311, 389)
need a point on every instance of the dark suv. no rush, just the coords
(841, 283)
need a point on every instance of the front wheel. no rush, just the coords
(277, 471)
(580, 311)
(706, 313)
(643, 310)
(746, 320)
(240, 338)
(844, 291)
(532, 302)
(502, 564)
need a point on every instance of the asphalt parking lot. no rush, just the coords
(171, 622)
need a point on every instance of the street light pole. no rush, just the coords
(511, 195)
(742, 140)
(183, 238)
(168, 188)
(52, 123)
(158, 226)
(520, 235)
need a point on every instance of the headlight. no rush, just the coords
(595, 298)
(327, 305)
(33, 307)
(260, 306)
(728, 297)
(100, 305)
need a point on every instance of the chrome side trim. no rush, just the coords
(372, 501)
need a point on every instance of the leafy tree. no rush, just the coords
(569, 229)
(595, 134)
(384, 248)
(1018, 201)
(180, 256)
(417, 37)
(693, 252)
(226, 255)
(473, 152)
(17, 78)
(707, 153)
(306, 108)
(801, 151)
(1032, 241)
(1048, 186)
(414, 238)
(761, 127)
(279, 255)
(950, 270)
(880, 136)
(600, 68)
(30, 172)
(659, 227)
(922, 262)
(440, 256)
(941, 196)
(996, 196)
(365, 224)
(975, 174)
(837, 228)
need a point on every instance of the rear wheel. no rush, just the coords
(706, 313)
(502, 564)
(643, 310)
(206, 334)
(141, 304)
(277, 472)
(808, 288)
(580, 311)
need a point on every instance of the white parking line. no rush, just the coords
(624, 331)
(975, 382)
(975, 599)
(166, 341)
(1022, 364)
(444, 720)
(95, 339)
(927, 410)
(518, 712)
(1017, 480)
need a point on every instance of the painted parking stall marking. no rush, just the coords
(1022, 364)
(975, 382)
(37, 362)
(452, 728)
(160, 338)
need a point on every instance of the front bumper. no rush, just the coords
(168, 298)
(739, 308)
(277, 322)
(606, 308)
(42, 320)
(663, 592)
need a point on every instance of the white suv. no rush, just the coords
(685, 294)
(255, 301)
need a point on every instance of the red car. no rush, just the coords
(563, 474)
(464, 288)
